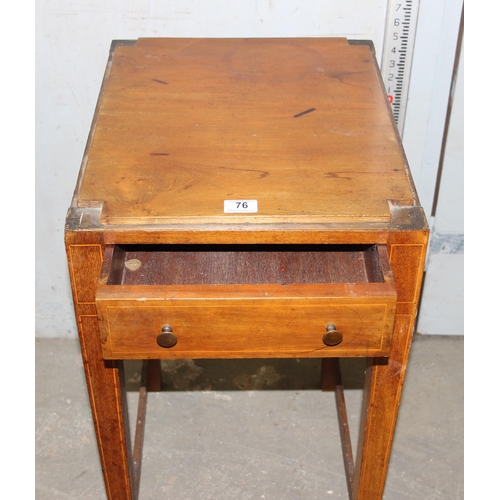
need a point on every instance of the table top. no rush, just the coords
(243, 131)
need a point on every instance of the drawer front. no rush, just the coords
(217, 328)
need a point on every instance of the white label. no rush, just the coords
(240, 206)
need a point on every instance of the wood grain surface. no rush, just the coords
(245, 264)
(300, 125)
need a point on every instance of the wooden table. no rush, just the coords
(245, 198)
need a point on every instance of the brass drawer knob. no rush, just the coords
(332, 336)
(166, 338)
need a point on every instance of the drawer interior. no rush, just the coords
(244, 264)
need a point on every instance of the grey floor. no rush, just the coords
(258, 429)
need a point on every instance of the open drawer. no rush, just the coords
(237, 301)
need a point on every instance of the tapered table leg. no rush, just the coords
(105, 380)
(385, 376)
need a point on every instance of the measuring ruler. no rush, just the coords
(397, 54)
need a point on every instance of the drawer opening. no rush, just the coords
(244, 301)
(244, 264)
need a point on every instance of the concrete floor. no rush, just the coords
(258, 429)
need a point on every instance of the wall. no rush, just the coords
(72, 43)
(442, 307)
(435, 154)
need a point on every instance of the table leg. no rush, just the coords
(154, 375)
(385, 376)
(327, 375)
(382, 396)
(105, 380)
